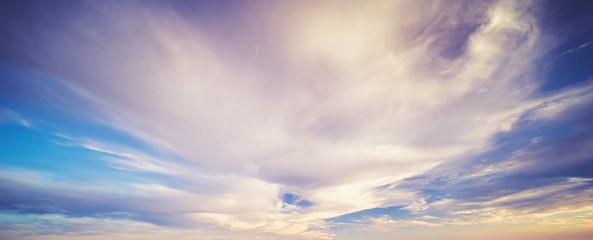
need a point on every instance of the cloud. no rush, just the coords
(552, 106)
(125, 158)
(53, 224)
(338, 104)
(248, 130)
(543, 182)
(7, 115)
(584, 45)
(417, 206)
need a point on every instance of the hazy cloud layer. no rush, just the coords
(269, 118)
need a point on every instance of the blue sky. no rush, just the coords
(296, 120)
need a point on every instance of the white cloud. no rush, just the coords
(125, 158)
(584, 45)
(54, 224)
(387, 224)
(7, 115)
(340, 103)
(418, 206)
(550, 107)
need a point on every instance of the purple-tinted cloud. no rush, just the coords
(267, 119)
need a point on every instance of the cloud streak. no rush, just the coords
(344, 106)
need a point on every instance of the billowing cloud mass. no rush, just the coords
(296, 120)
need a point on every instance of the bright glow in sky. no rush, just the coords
(344, 120)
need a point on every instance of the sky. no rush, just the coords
(331, 120)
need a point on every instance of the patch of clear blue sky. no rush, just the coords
(297, 200)
(34, 149)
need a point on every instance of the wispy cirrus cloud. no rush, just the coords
(347, 107)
